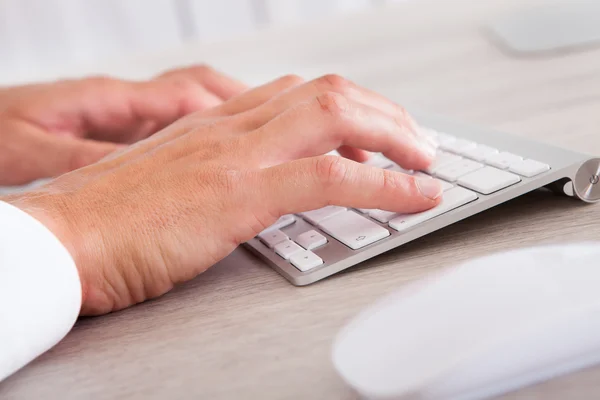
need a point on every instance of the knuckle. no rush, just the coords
(334, 82)
(184, 84)
(390, 181)
(403, 117)
(191, 93)
(204, 69)
(102, 81)
(333, 104)
(403, 184)
(331, 171)
(290, 80)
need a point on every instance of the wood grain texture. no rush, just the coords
(240, 331)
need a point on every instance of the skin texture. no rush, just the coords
(165, 209)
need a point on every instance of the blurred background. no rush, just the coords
(526, 66)
(40, 38)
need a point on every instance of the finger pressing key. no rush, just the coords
(329, 121)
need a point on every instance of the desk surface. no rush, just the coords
(240, 330)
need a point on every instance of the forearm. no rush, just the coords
(40, 291)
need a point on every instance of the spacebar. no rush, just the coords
(452, 199)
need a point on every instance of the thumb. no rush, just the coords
(311, 183)
(62, 154)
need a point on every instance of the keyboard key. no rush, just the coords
(479, 152)
(363, 210)
(282, 222)
(488, 180)
(420, 174)
(442, 158)
(445, 185)
(429, 132)
(382, 216)
(273, 237)
(503, 160)
(458, 145)
(451, 172)
(316, 216)
(354, 230)
(286, 249)
(444, 138)
(311, 240)
(379, 161)
(452, 199)
(398, 168)
(305, 260)
(529, 168)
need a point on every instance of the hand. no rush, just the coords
(50, 129)
(169, 207)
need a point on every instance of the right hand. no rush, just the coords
(169, 207)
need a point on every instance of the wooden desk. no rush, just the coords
(240, 331)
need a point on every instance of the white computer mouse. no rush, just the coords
(481, 329)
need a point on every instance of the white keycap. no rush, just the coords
(322, 214)
(281, 223)
(420, 174)
(503, 160)
(311, 240)
(273, 237)
(529, 168)
(488, 180)
(286, 249)
(479, 152)
(442, 158)
(452, 199)
(379, 161)
(445, 185)
(305, 260)
(398, 168)
(429, 132)
(363, 210)
(458, 145)
(451, 172)
(382, 216)
(444, 138)
(354, 230)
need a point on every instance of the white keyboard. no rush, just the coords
(477, 170)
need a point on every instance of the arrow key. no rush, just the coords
(305, 260)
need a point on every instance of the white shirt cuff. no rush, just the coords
(40, 290)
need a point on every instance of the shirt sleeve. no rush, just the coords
(40, 291)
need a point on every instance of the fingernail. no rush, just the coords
(429, 188)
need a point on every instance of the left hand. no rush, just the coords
(50, 129)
